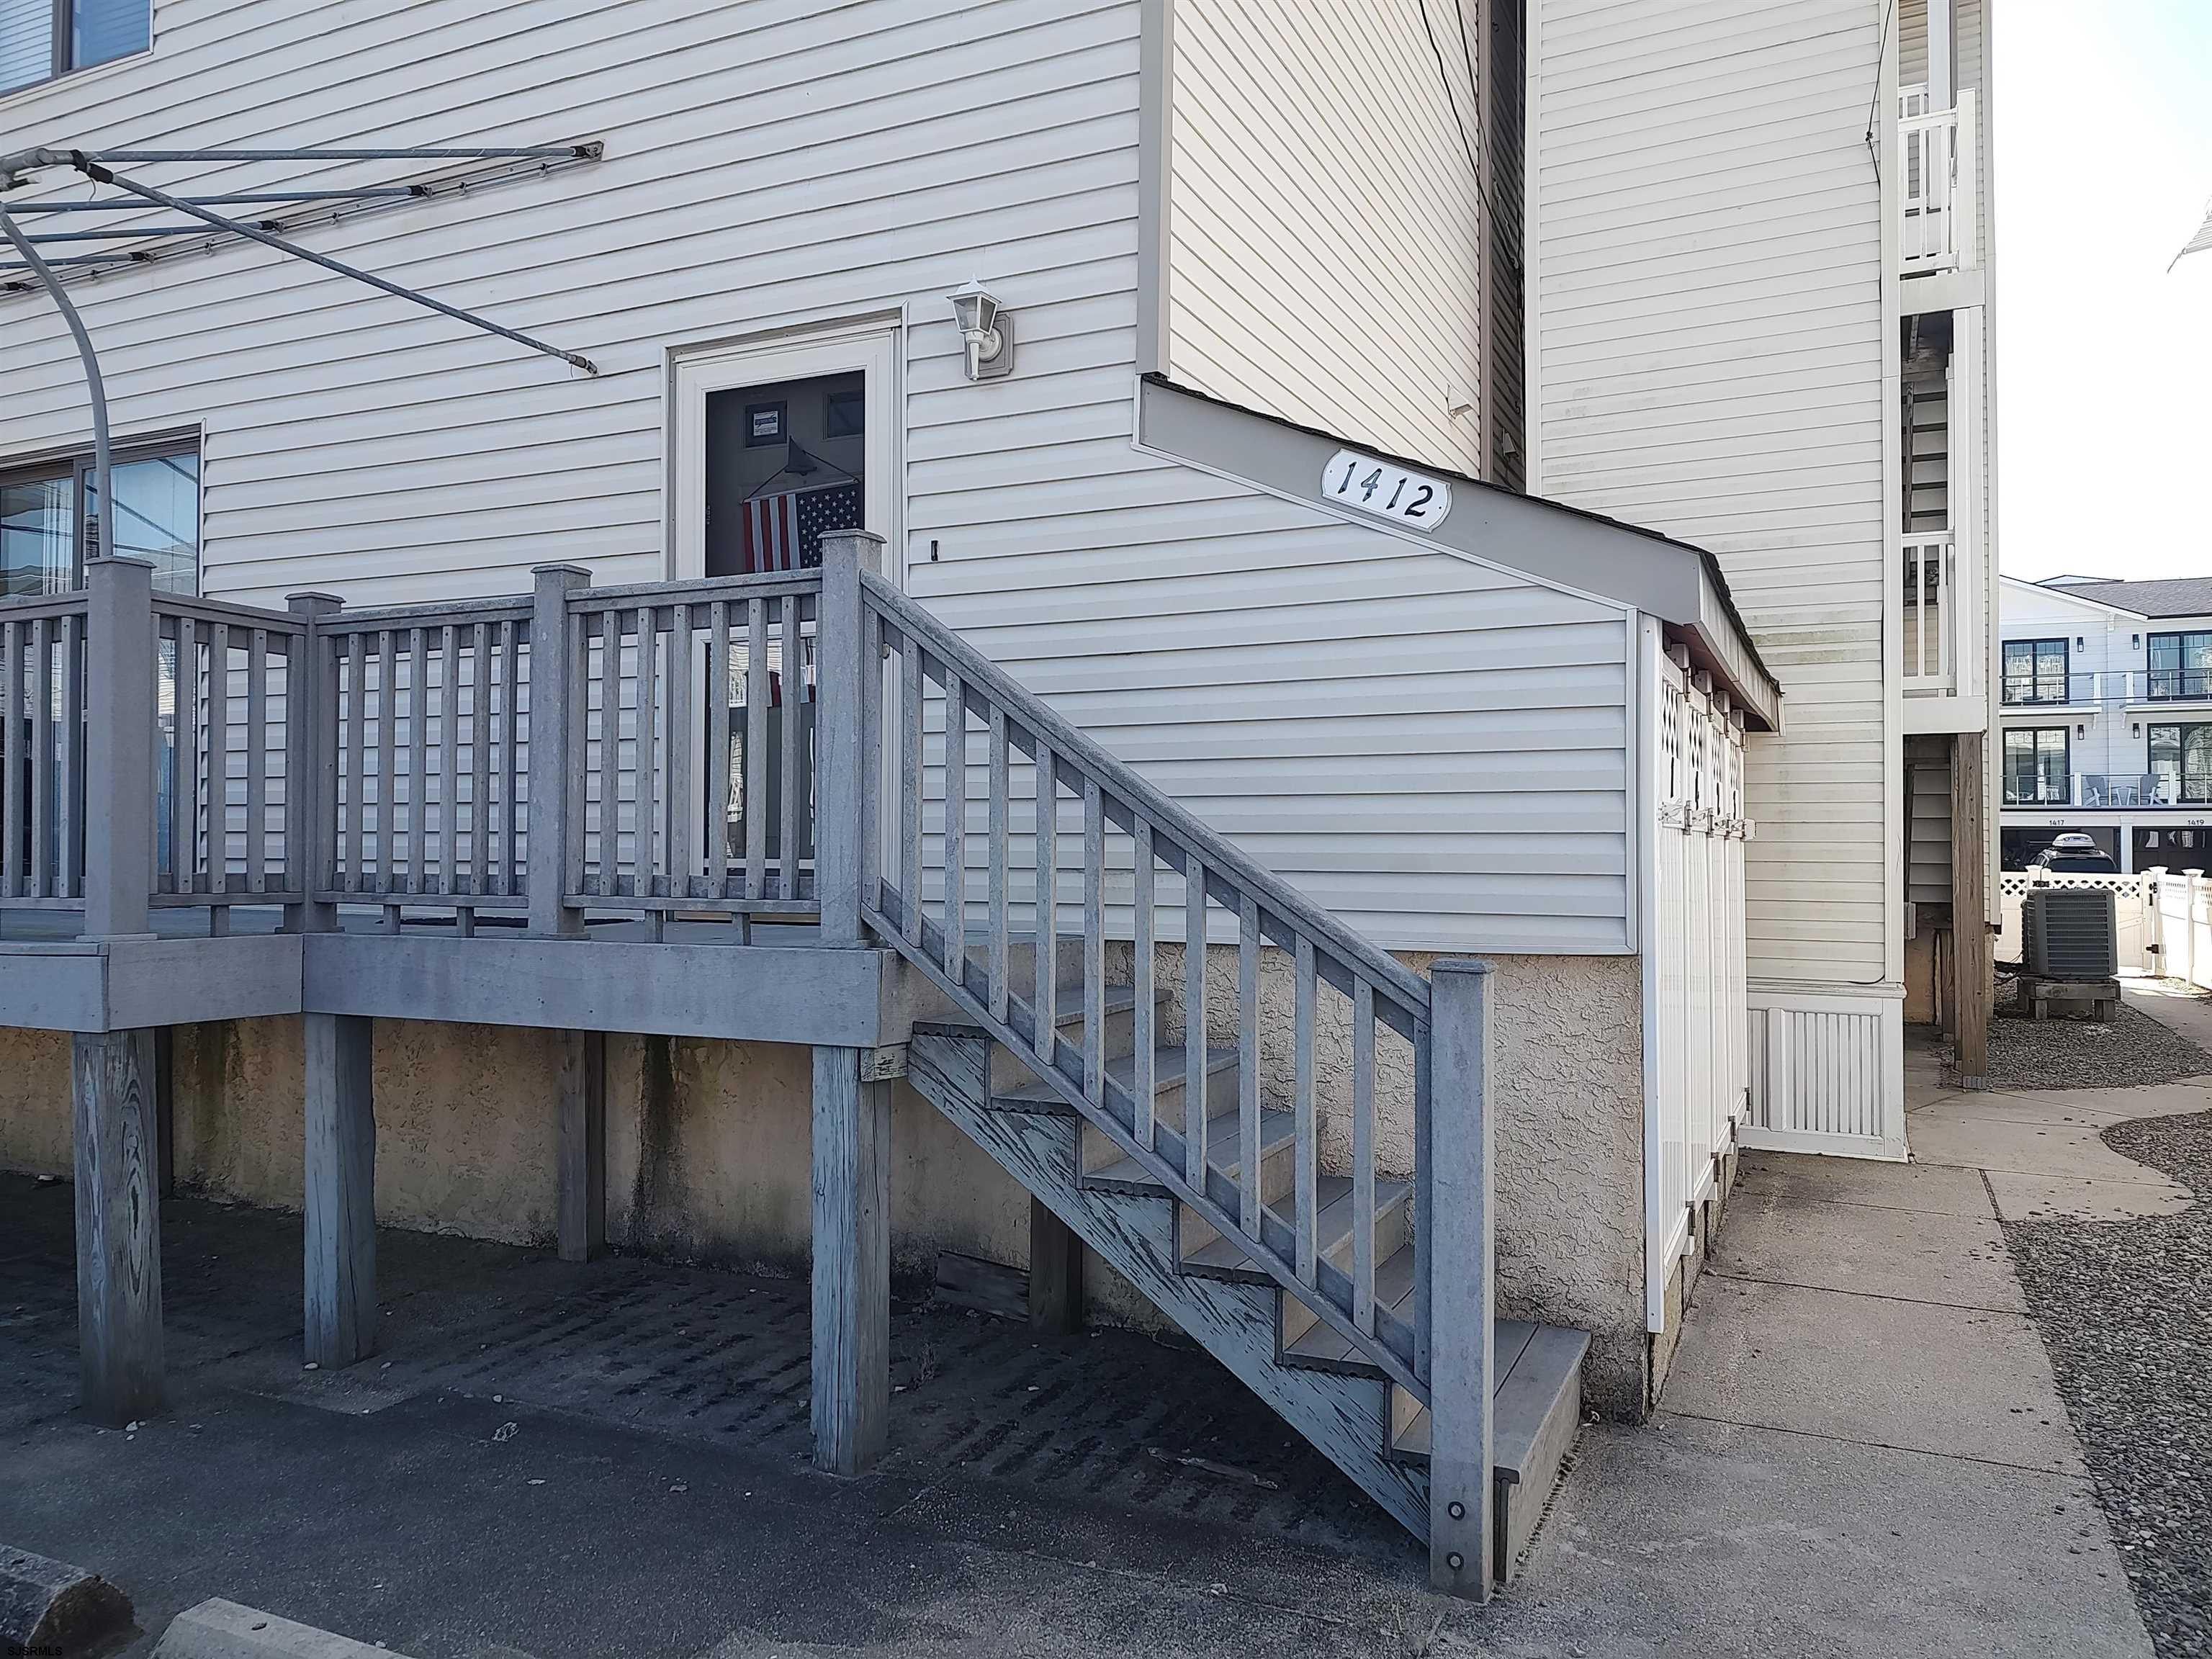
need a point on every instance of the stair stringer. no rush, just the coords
(1345, 1417)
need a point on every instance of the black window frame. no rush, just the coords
(2012, 797)
(2037, 680)
(78, 464)
(2178, 684)
(61, 57)
(2191, 788)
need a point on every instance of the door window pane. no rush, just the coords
(769, 499)
(38, 524)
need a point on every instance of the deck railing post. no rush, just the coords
(554, 750)
(844, 681)
(1459, 1258)
(120, 647)
(311, 767)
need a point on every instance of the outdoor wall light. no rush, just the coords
(988, 333)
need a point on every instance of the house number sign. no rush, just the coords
(1385, 489)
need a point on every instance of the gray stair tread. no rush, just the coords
(1331, 1224)
(1224, 1143)
(1067, 1001)
(1323, 1344)
(1167, 1070)
(1528, 1389)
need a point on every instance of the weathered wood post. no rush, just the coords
(119, 1230)
(310, 766)
(841, 791)
(582, 1226)
(557, 741)
(341, 1189)
(1459, 1260)
(112, 1074)
(1971, 956)
(851, 1129)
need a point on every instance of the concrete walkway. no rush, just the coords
(1860, 1448)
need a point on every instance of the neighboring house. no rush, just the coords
(1243, 516)
(2107, 707)
(1760, 278)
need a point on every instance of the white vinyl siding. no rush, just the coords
(1707, 353)
(765, 162)
(1325, 235)
(1434, 751)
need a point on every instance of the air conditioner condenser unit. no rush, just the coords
(2070, 932)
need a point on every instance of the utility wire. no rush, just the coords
(1874, 99)
(1451, 98)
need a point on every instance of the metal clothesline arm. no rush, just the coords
(116, 232)
(526, 153)
(93, 384)
(93, 169)
(234, 198)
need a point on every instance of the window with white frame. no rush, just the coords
(42, 38)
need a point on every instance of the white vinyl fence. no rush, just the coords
(2179, 915)
(2136, 902)
(1699, 1049)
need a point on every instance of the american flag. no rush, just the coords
(782, 532)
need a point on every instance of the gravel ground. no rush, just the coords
(2126, 1309)
(2075, 1053)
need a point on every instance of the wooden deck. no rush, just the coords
(696, 980)
(650, 810)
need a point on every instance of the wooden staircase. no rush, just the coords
(1357, 1303)
(1308, 1373)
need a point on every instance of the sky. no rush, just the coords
(2103, 157)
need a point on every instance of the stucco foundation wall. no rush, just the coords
(708, 1143)
(465, 1122)
(34, 1101)
(1568, 1134)
(710, 1153)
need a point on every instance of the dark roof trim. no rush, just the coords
(1559, 546)
(2166, 596)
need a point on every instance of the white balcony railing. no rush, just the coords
(1935, 193)
(1933, 613)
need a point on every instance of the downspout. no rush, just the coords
(84, 351)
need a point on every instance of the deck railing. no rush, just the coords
(1933, 613)
(318, 756)
(228, 751)
(42, 692)
(1935, 188)
(1018, 785)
